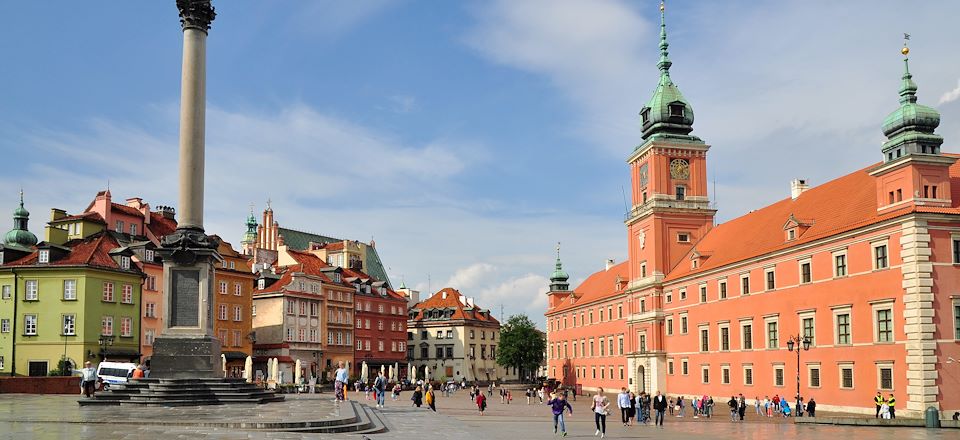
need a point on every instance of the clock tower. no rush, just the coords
(670, 206)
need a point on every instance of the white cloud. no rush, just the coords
(952, 95)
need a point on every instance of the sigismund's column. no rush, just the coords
(186, 347)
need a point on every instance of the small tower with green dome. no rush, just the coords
(914, 171)
(249, 241)
(20, 236)
(558, 280)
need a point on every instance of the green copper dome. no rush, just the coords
(251, 235)
(20, 235)
(667, 111)
(910, 128)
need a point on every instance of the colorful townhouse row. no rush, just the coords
(859, 276)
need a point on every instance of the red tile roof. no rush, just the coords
(129, 210)
(88, 216)
(160, 225)
(598, 286)
(841, 205)
(449, 297)
(92, 251)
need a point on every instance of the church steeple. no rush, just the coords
(667, 112)
(20, 235)
(558, 280)
(910, 128)
(250, 237)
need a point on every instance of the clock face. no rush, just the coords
(643, 175)
(679, 169)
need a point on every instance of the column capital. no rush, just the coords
(196, 14)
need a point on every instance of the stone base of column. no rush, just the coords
(186, 358)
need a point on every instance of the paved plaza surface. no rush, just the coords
(59, 417)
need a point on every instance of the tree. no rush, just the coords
(521, 345)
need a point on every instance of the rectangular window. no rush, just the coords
(808, 331)
(843, 328)
(683, 325)
(805, 275)
(725, 375)
(840, 265)
(6, 291)
(725, 338)
(69, 325)
(886, 377)
(108, 292)
(747, 336)
(703, 294)
(148, 337)
(127, 294)
(222, 312)
(956, 251)
(643, 343)
(133, 229)
(681, 192)
(70, 290)
(884, 325)
(771, 280)
(33, 292)
(683, 367)
(106, 326)
(670, 367)
(846, 377)
(683, 294)
(30, 325)
(4, 325)
(43, 256)
(238, 313)
(773, 340)
(723, 289)
(119, 227)
(670, 327)
(237, 289)
(744, 284)
(880, 257)
(778, 376)
(747, 375)
(126, 327)
(814, 377)
(956, 321)
(669, 296)
(223, 287)
(150, 310)
(705, 374)
(704, 339)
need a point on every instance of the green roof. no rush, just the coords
(667, 111)
(299, 240)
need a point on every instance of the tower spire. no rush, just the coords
(910, 128)
(558, 280)
(664, 63)
(20, 236)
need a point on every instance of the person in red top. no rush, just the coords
(776, 402)
(481, 402)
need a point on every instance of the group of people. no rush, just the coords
(634, 407)
(886, 408)
(779, 407)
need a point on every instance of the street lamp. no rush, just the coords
(63, 366)
(104, 341)
(794, 344)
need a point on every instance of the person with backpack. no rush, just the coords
(380, 388)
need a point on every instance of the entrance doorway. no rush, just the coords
(641, 379)
(37, 368)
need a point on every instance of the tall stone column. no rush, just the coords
(187, 347)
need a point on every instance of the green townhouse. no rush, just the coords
(76, 299)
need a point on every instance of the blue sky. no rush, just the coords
(467, 138)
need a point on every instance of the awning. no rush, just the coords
(234, 355)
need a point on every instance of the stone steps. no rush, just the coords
(183, 392)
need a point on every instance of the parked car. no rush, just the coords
(112, 373)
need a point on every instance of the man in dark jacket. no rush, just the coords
(742, 407)
(812, 408)
(734, 408)
(660, 405)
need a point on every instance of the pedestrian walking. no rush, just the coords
(529, 394)
(671, 406)
(509, 396)
(758, 404)
(679, 406)
(632, 414)
(417, 397)
(601, 407)
(623, 402)
(645, 401)
(380, 388)
(557, 404)
(734, 408)
(88, 379)
(800, 406)
(742, 407)
(340, 380)
(481, 403)
(812, 408)
(891, 402)
(660, 406)
(431, 398)
(878, 402)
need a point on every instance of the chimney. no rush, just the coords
(57, 214)
(609, 264)
(797, 187)
(443, 294)
(167, 212)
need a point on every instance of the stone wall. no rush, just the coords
(40, 385)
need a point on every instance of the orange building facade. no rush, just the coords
(233, 306)
(865, 268)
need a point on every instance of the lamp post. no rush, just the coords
(104, 341)
(794, 344)
(63, 366)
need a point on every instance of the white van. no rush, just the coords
(111, 373)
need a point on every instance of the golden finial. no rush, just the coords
(905, 50)
(661, 6)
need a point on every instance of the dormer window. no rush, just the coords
(676, 110)
(261, 283)
(125, 262)
(148, 255)
(44, 256)
(791, 234)
(366, 288)
(336, 277)
(645, 115)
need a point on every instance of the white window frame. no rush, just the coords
(700, 329)
(766, 331)
(752, 379)
(43, 256)
(837, 311)
(846, 263)
(70, 290)
(669, 322)
(124, 262)
(5, 325)
(783, 375)
(725, 374)
(808, 314)
(753, 332)
(800, 263)
(32, 288)
(722, 291)
(814, 366)
(876, 307)
(126, 327)
(884, 365)
(68, 324)
(29, 319)
(684, 367)
(721, 326)
(684, 323)
(6, 291)
(704, 293)
(124, 297)
(745, 276)
(873, 254)
(853, 375)
(683, 294)
(766, 274)
(705, 371)
(106, 325)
